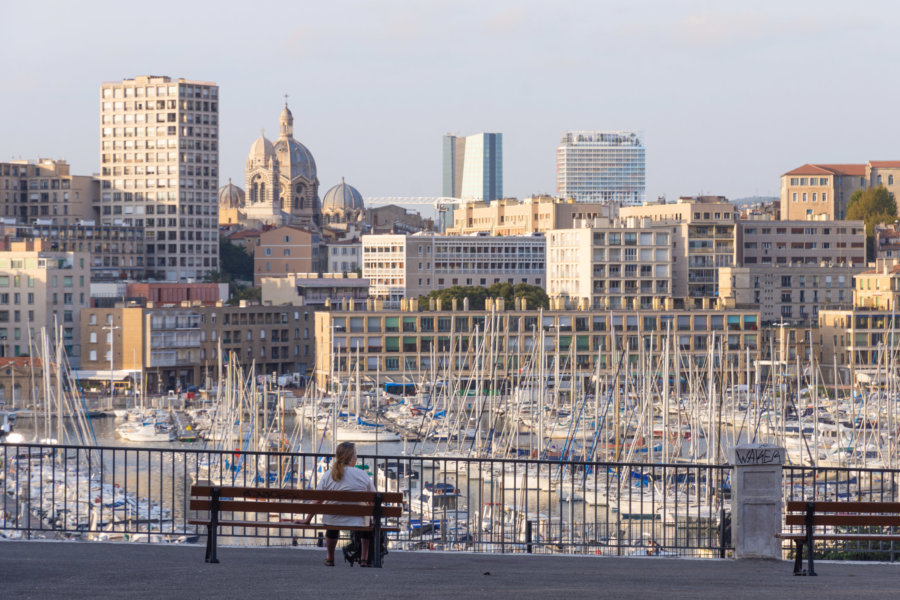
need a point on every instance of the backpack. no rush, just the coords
(353, 549)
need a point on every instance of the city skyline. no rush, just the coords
(731, 98)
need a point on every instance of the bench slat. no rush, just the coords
(854, 537)
(349, 510)
(844, 507)
(291, 525)
(294, 494)
(845, 520)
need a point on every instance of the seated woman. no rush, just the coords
(343, 477)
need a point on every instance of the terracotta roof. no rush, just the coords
(810, 169)
(885, 164)
(19, 361)
(243, 233)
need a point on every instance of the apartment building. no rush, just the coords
(611, 263)
(537, 214)
(117, 251)
(314, 289)
(44, 191)
(806, 242)
(177, 346)
(409, 266)
(394, 345)
(41, 289)
(288, 249)
(159, 169)
(344, 256)
(879, 288)
(703, 240)
(788, 293)
(887, 241)
(824, 189)
(601, 166)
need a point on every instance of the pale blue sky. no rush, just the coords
(729, 94)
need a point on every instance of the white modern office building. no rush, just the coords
(159, 169)
(601, 166)
(473, 166)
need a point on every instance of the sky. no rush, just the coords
(729, 95)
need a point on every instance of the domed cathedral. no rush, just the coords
(298, 189)
(341, 205)
(282, 186)
(231, 205)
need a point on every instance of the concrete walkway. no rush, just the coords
(133, 571)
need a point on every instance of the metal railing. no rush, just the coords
(848, 484)
(452, 503)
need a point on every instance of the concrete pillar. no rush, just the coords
(756, 500)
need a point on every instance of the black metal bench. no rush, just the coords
(215, 500)
(817, 519)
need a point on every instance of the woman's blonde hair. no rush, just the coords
(343, 456)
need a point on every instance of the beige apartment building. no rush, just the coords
(159, 169)
(879, 288)
(288, 249)
(409, 266)
(117, 251)
(809, 242)
(611, 263)
(448, 343)
(313, 289)
(788, 293)
(703, 240)
(814, 190)
(536, 214)
(176, 346)
(41, 289)
(44, 191)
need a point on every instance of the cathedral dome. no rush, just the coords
(231, 196)
(342, 198)
(295, 159)
(262, 149)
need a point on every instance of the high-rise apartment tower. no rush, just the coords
(159, 168)
(601, 166)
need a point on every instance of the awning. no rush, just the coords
(115, 374)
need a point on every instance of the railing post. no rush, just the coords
(528, 546)
(375, 545)
(756, 500)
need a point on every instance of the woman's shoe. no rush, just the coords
(329, 563)
(364, 563)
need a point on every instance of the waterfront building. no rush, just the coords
(288, 249)
(879, 288)
(159, 169)
(887, 241)
(41, 289)
(788, 293)
(313, 289)
(116, 251)
(536, 214)
(450, 342)
(611, 263)
(703, 240)
(806, 242)
(44, 191)
(176, 346)
(344, 256)
(824, 189)
(601, 166)
(473, 166)
(409, 266)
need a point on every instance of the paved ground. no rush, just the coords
(95, 570)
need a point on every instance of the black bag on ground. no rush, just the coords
(353, 549)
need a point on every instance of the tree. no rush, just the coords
(235, 261)
(873, 206)
(535, 296)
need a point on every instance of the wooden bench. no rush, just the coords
(290, 505)
(814, 517)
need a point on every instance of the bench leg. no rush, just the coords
(212, 545)
(798, 558)
(810, 570)
(208, 543)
